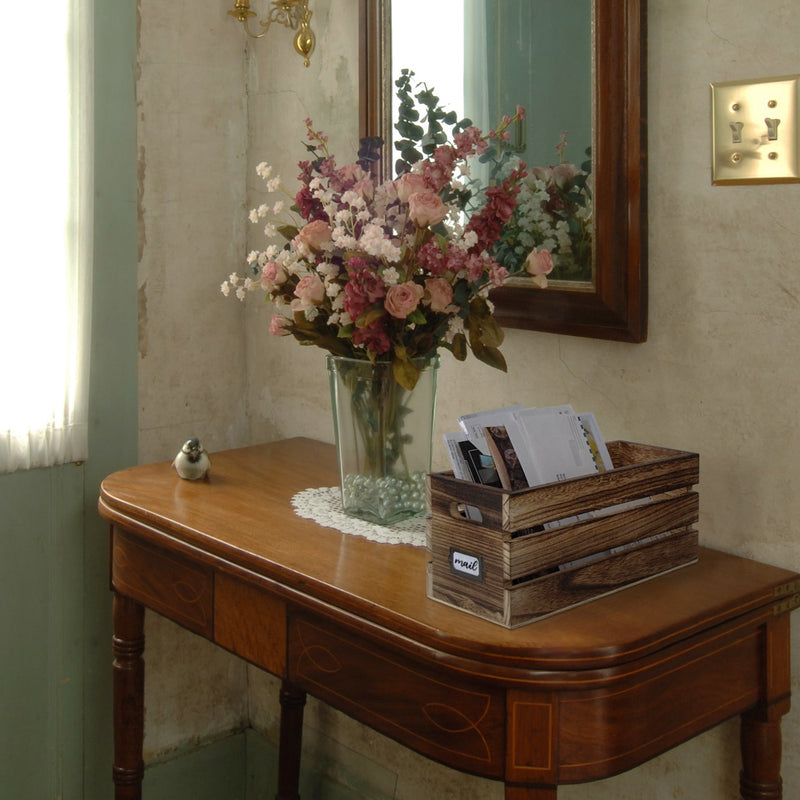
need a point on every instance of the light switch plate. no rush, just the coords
(754, 131)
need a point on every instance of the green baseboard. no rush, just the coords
(213, 771)
(244, 766)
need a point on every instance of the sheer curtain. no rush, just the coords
(45, 247)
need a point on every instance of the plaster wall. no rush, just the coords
(718, 375)
(192, 140)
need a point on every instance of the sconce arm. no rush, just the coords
(293, 14)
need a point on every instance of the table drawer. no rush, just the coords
(449, 720)
(164, 582)
(250, 622)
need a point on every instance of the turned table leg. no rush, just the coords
(128, 666)
(292, 702)
(761, 756)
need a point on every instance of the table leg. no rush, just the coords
(128, 666)
(531, 793)
(761, 756)
(292, 702)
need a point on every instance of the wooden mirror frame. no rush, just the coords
(616, 307)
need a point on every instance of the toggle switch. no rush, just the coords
(754, 131)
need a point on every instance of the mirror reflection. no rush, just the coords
(483, 58)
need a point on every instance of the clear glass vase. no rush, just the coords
(383, 437)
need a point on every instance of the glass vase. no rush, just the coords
(383, 437)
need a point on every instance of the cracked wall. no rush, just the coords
(718, 374)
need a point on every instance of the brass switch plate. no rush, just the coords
(755, 131)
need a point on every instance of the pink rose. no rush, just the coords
(408, 184)
(279, 325)
(426, 209)
(272, 275)
(310, 291)
(352, 173)
(538, 264)
(544, 174)
(312, 237)
(563, 173)
(365, 188)
(403, 299)
(440, 292)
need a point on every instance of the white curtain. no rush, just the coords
(46, 235)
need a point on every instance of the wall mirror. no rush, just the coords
(580, 73)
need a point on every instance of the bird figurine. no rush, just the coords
(192, 462)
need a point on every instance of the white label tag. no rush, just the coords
(467, 565)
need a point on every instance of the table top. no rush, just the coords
(242, 516)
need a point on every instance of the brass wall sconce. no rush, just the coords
(292, 14)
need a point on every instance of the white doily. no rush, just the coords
(324, 506)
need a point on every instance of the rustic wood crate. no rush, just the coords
(509, 569)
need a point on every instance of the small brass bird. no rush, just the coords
(192, 462)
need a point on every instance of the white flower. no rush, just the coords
(270, 230)
(338, 302)
(312, 313)
(264, 170)
(332, 289)
(274, 184)
(263, 210)
(470, 239)
(253, 215)
(327, 270)
(374, 242)
(354, 199)
(278, 207)
(341, 238)
(252, 256)
(234, 279)
(241, 293)
(391, 276)
(225, 288)
(455, 325)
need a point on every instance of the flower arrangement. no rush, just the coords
(554, 214)
(392, 271)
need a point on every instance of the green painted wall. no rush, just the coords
(55, 700)
(542, 59)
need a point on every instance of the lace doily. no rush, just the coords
(324, 506)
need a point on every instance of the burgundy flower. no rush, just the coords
(373, 337)
(363, 289)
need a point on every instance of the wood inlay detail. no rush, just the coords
(164, 582)
(464, 725)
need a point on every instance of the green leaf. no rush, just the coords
(417, 317)
(409, 130)
(491, 356)
(288, 231)
(491, 333)
(459, 347)
(412, 155)
(367, 317)
(404, 370)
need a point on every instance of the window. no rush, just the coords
(45, 247)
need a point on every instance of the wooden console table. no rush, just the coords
(578, 696)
